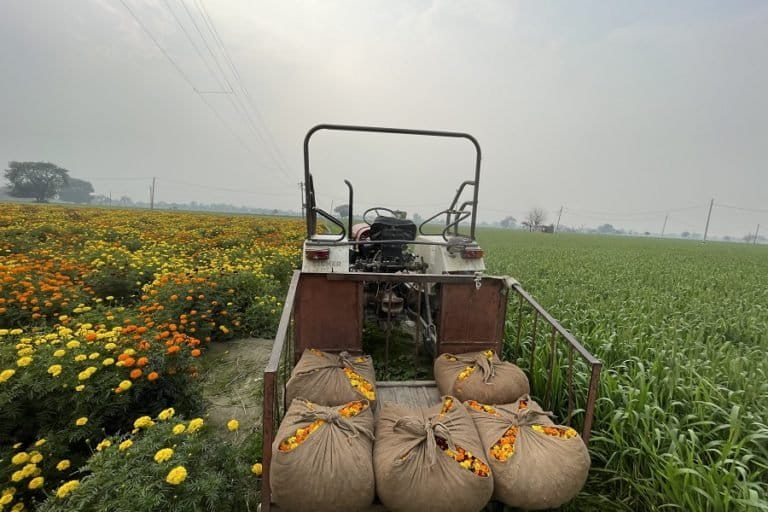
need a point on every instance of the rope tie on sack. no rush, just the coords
(331, 415)
(427, 431)
(487, 366)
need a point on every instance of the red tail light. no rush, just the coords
(317, 254)
(472, 253)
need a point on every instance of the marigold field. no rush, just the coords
(106, 316)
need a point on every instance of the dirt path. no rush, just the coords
(232, 381)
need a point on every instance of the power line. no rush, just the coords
(225, 189)
(187, 79)
(217, 38)
(758, 210)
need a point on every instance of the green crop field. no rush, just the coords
(682, 330)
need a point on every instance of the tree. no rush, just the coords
(534, 218)
(606, 229)
(509, 222)
(342, 210)
(685, 234)
(77, 191)
(41, 180)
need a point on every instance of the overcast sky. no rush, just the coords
(619, 111)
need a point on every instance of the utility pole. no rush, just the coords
(664, 227)
(110, 199)
(152, 195)
(301, 189)
(754, 242)
(560, 214)
(706, 228)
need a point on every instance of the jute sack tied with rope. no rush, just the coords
(535, 463)
(332, 379)
(322, 458)
(430, 459)
(480, 376)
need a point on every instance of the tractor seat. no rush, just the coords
(391, 228)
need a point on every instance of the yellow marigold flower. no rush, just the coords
(4, 332)
(60, 353)
(18, 476)
(63, 465)
(233, 425)
(36, 482)
(110, 346)
(6, 374)
(55, 370)
(24, 361)
(80, 387)
(80, 357)
(6, 499)
(81, 421)
(20, 458)
(256, 469)
(73, 344)
(103, 445)
(16, 446)
(125, 445)
(163, 455)
(125, 385)
(25, 351)
(30, 470)
(18, 507)
(16, 332)
(40, 442)
(143, 422)
(108, 361)
(129, 351)
(179, 429)
(224, 329)
(177, 475)
(196, 424)
(35, 457)
(67, 488)
(93, 355)
(86, 374)
(166, 414)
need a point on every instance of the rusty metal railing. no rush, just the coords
(276, 375)
(550, 353)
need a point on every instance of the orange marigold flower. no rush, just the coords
(173, 350)
(142, 361)
(129, 361)
(152, 376)
(195, 353)
(136, 373)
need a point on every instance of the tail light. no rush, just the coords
(317, 254)
(472, 253)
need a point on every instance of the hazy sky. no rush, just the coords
(617, 110)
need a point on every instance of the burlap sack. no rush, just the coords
(413, 474)
(332, 469)
(544, 471)
(493, 381)
(319, 377)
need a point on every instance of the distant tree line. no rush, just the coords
(43, 181)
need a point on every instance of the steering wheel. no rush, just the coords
(376, 209)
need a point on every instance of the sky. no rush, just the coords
(619, 112)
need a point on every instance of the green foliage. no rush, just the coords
(77, 191)
(682, 331)
(41, 180)
(131, 480)
(405, 361)
(117, 281)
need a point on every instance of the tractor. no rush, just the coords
(429, 277)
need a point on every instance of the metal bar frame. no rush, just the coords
(559, 332)
(309, 192)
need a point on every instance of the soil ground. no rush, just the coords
(232, 381)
